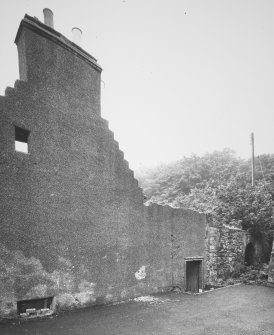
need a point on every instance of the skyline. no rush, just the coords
(179, 77)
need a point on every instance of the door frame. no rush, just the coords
(201, 270)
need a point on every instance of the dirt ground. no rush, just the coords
(235, 310)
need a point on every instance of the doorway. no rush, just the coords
(193, 275)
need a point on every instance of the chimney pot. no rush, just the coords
(77, 35)
(48, 17)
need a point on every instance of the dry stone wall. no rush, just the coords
(225, 249)
(271, 268)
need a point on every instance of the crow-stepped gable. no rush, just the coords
(74, 230)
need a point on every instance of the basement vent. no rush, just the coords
(21, 140)
(35, 307)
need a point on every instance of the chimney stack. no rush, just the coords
(48, 17)
(77, 35)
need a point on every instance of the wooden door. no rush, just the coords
(192, 276)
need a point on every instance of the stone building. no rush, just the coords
(74, 230)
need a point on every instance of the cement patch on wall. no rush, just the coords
(141, 273)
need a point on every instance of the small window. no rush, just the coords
(21, 140)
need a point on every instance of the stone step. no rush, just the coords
(20, 84)
(2, 99)
(9, 91)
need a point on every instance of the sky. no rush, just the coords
(180, 77)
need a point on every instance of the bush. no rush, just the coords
(239, 269)
(230, 281)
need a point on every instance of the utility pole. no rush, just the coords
(252, 160)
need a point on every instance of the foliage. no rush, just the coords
(219, 184)
(251, 274)
(168, 181)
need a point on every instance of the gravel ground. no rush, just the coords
(240, 310)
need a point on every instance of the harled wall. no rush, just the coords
(73, 223)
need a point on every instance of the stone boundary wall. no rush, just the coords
(174, 235)
(226, 248)
(271, 268)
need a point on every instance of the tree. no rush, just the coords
(220, 184)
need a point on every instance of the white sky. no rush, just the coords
(181, 76)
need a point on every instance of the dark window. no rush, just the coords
(21, 140)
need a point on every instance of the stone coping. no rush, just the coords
(53, 35)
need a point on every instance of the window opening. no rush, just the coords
(21, 140)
